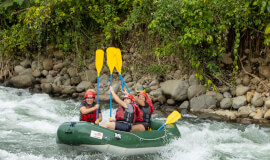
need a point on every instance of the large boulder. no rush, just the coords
(202, 102)
(84, 85)
(89, 75)
(72, 72)
(22, 81)
(177, 89)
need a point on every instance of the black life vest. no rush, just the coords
(123, 115)
(89, 117)
(144, 114)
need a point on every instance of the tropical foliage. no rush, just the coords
(199, 30)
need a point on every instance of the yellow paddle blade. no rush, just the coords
(99, 60)
(173, 117)
(118, 56)
(111, 58)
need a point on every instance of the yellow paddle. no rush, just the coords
(99, 64)
(118, 67)
(173, 117)
(111, 65)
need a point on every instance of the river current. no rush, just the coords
(28, 125)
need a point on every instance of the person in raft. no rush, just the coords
(88, 108)
(144, 112)
(125, 114)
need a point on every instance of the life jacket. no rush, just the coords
(89, 117)
(144, 113)
(123, 115)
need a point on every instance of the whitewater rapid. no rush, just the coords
(28, 125)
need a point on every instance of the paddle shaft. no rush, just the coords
(97, 93)
(111, 98)
(160, 128)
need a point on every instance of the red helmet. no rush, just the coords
(89, 94)
(130, 97)
(142, 93)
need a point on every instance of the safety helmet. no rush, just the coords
(142, 93)
(89, 94)
(130, 97)
(140, 89)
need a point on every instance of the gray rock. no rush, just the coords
(72, 72)
(48, 64)
(26, 63)
(267, 104)
(217, 95)
(257, 100)
(18, 69)
(239, 101)
(227, 95)
(246, 80)
(50, 79)
(68, 90)
(45, 73)
(89, 75)
(177, 89)
(224, 89)
(153, 83)
(184, 105)
(83, 85)
(156, 93)
(202, 102)
(36, 73)
(75, 80)
(241, 90)
(22, 81)
(58, 67)
(225, 103)
(170, 102)
(58, 54)
(196, 90)
(193, 80)
(57, 89)
(67, 82)
(46, 87)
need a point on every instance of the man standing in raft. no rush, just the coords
(143, 117)
(125, 114)
(88, 108)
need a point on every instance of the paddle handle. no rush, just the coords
(97, 93)
(122, 83)
(111, 98)
(161, 127)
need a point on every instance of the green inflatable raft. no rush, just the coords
(93, 137)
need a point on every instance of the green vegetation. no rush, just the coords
(199, 30)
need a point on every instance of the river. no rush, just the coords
(28, 125)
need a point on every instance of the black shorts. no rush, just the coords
(122, 126)
(145, 124)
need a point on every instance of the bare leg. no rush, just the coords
(110, 125)
(137, 127)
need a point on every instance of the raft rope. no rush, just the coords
(147, 139)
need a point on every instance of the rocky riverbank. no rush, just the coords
(60, 77)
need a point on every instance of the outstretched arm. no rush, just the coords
(117, 99)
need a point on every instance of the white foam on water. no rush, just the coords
(213, 141)
(4, 155)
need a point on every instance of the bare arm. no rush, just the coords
(117, 99)
(85, 110)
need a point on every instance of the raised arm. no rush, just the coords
(117, 99)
